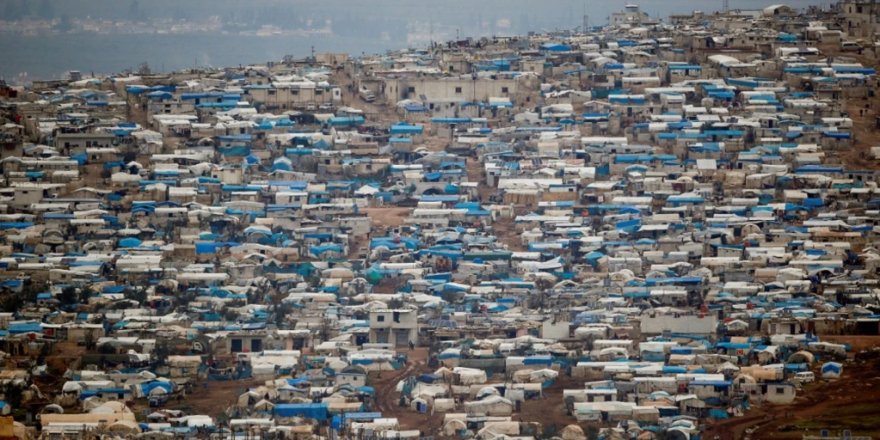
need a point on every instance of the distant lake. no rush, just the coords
(53, 55)
(359, 26)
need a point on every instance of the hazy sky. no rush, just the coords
(89, 35)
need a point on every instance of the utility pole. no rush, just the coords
(586, 23)
(725, 6)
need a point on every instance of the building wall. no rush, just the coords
(861, 19)
(555, 330)
(289, 97)
(396, 89)
(397, 328)
(679, 324)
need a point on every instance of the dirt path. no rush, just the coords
(505, 229)
(851, 402)
(215, 398)
(550, 409)
(387, 217)
(388, 399)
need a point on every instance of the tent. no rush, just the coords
(801, 357)
(831, 370)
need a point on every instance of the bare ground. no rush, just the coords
(384, 217)
(505, 229)
(214, 399)
(851, 402)
(863, 112)
(388, 399)
(550, 409)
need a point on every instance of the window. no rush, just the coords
(380, 318)
(235, 346)
(780, 390)
(396, 316)
(504, 90)
(271, 92)
(458, 90)
(410, 89)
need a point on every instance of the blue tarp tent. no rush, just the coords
(317, 411)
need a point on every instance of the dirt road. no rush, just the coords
(388, 399)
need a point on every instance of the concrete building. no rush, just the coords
(397, 327)
(860, 18)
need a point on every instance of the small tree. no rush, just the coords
(138, 294)
(90, 340)
(229, 314)
(69, 296)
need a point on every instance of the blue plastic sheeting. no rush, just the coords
(129, 242)
(321, 249)
(239, 151)
(341, 121)
(450, 120)
(538, 360)
(837, 134)
(711, 383)
(15, 225)
(340, 420)
(818, 169)
(555, 47)
(316, 411)
(415, 108)
(832, 367)
(406, 129)
(25, 327)
(147, 387)
(718, 414)
(673, 280)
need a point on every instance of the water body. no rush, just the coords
(52, 55)
(364, 26)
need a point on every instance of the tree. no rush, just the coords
(68, 296)
(90, 341)
(12, 394)
(281, 312)
(11, 303)
(138, 294)
(162, 351)
(229, 314)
